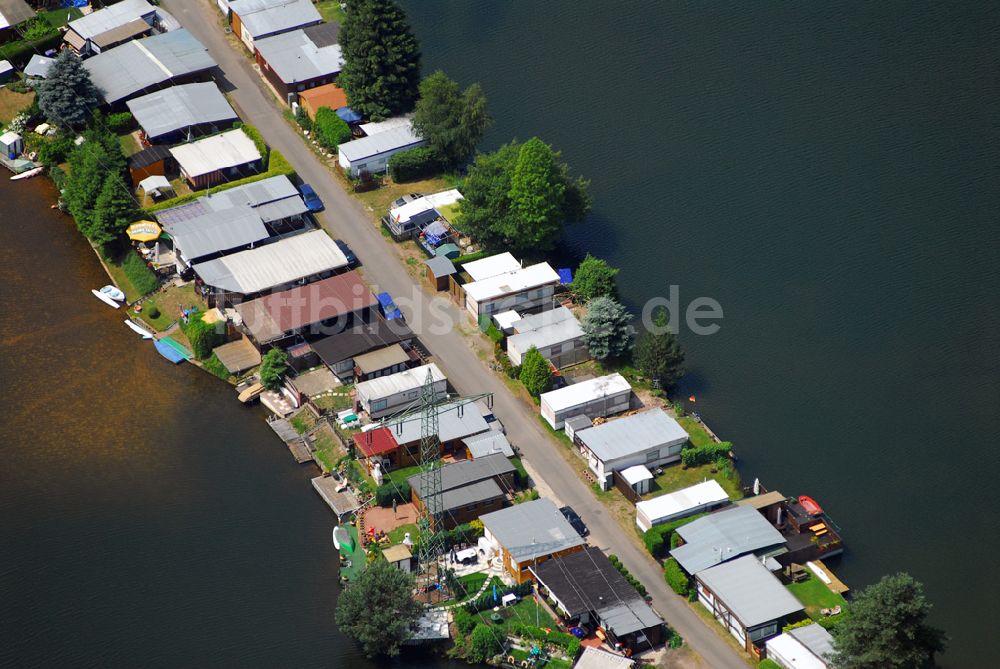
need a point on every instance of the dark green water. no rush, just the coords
(146, 517)
(829, 173)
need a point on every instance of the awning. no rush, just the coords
(450, 251)
(156, 183)
(349, 115)
(143, 231)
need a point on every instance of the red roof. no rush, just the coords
(315, 302)
(375, 442)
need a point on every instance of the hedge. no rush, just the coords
(768, 664)
(20, 52)
(119, 121)
(331, 131)
(659, 536)
(257, 139)
(387, 492)
(142, 278)
(464, 621)
(471, 257)
(692, 457)
(278, 167)
(413, 165)
(633, 581)
(203, 336)
(676, 578)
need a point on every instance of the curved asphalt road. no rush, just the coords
(347, 219)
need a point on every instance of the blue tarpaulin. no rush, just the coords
(435, 233)
(74, 3)
(565, 275)
(349, 115)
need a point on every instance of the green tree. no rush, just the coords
(886, 628)
(85, 180)
(658, 353)
(450, 120)
(331, 130)
(519, 197)
(607, 329)
(203, 336)
(595, 278)
(67, 95)
(484, 643)
(535, 372)
(378, 609)
(113, 210)
(273, 368)
(381, 68)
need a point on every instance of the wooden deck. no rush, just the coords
(835, 584)
(293, 440)
(342, 502)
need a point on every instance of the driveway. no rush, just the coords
(433, 319)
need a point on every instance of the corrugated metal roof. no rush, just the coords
(390, 140)
(295, 57)
(134, 66)
(225, 150)
(488, 443)
(217, 231)
(38, 66)
(180, 107)
(440, 266)
(586, 391)
(401, 382)
(595, 658)
(13, 12)
(111, 17)
(371, 129)
(384, 358)
(267, 17)
(723, 536)
(630, 617)
(491, 266)
(273, 264)
(750, 591)
(466, 472)
(816, 638)
(121, 33)
(677, 504)
(542, 320)
(238, 355)
(546, 335)
(531, 529)
(455, 421)
(521, 279)
(634, 434)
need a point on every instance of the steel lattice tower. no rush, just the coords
(431, 541)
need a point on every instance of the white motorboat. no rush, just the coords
(342, 539)
(138, 329)
(114, 293)
(103, 297)
(27, 175)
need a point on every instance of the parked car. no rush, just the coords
(310, 198)
(388, 307)
(575, 521)
(352, 260)
(406, 199)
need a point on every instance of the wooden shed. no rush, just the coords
(439, 272)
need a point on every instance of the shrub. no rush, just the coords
(494, 334)
(465, 622)
(703, 455)
(676, 578)
(141, 277)
(484, 643)
(153, 312)
(55, 151)
(331, 130)
(277, 165)
(37, 28)
(256, 138)
(387, 492)
(413, 165)
(302, 118)
(471, 257)
(119, 122)
(203, 336)
(659, 536)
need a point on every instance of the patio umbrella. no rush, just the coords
(143, 231)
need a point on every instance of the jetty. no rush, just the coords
(337, 494)
(295, 442)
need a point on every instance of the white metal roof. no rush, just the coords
(455, 421)
(180, 107)
(509, 283)
(636, 474)
(750, 591)
(546, 335)
(10, 137)
(38, 66)
(723, 536)
(393, 384)
(506, 319)
(488, 443)
(388, 124)
(802, 648)
(595, 658)
(227, 149)
(586, 391)
(531, 529)
(626, 436)
(390, 140)
(273, 264)
(267, 17)
(676, 504)
(154, 182)
(491, 266)
(544, 319)
(295, 57)
(422, 204)
(112, 16)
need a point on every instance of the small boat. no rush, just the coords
(342, 539)
(168, 351)
(114, 293)
(138, 329)
(107, 299)
(30, 173)
(810, 505)
(251, 393)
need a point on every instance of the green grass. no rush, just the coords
(525, 612)
(814, 594)
(132, 276)
(696, 431)
(472, 582)
(169, 303)
(396, 535)
(675, 477)
(334, 401)
(128, 144)
(58, 17)
(331, 11)
(399, 476)
(215, 366)
(303, 421)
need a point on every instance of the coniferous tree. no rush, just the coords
(535, 372)
(607, 330)
(67, 95)
(113, 210)
(381, 68)
(659, 355)
(452, 121)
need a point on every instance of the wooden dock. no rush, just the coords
(295, 442)
(834, 583)
(338, 496)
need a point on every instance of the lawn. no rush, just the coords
(303, 421)
(132, 275)
(328, 449)
(696, 431)
(527, 612)
(331, 11)
(60, 17)
(380, 198)
(130, 145)
(399, 476)
(333, 401)
(675, 477)
(815, 595)
(169, 303)
(396, 535)
(472, 582)
(11, 103)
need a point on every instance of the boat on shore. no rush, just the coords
(107, 298)
(168, 351)
(30, 173)
(810, 505)
(251, 393)
(138, 329)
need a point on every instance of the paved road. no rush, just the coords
(347, 219)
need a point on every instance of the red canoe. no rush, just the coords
(810, 505)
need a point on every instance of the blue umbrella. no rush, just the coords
(494, 592)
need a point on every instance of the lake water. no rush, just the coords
(828, 172)
(147, 518)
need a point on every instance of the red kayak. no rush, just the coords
(810, 505)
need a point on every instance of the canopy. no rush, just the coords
(349, 115)
(157, 182)
(565, 275)
(143, 231)
(448, 251)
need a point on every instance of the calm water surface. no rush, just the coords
(829, 173)
(147, 519)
